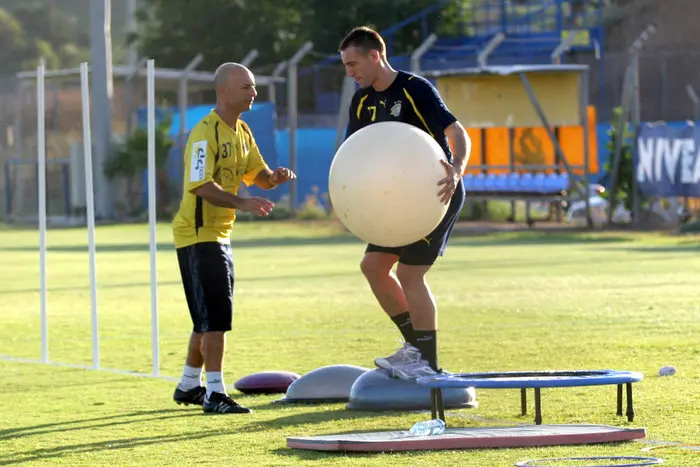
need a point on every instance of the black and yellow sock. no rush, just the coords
(403, 322)
(426, 342)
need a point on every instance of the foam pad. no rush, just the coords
(330, 383)
(469, 438)
(378, 390)
(266, 382)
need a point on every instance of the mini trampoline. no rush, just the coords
(535, 380)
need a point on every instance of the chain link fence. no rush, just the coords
(664, 81)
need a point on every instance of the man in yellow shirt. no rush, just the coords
(221, 154)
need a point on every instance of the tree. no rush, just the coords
(129, 160)
(174, 31)
(14, 43)
(47, 31)
(624, 182)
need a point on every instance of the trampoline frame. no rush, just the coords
(533, 380)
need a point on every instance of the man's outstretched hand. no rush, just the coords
(257, 206)
(281, 175)
(450, 182)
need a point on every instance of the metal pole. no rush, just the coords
(420, 51)
(182, 98)
(636, 109)
(585, 97)
(131, 26)
(272, 88)
(152, 218)
(101, 83)
(563, 46)
(41, 164)
(543, 118)
(292, 110)
(695, 100)
(492, 44)
(90, 210)
(620, 131)
(250, 57)
(636, 120)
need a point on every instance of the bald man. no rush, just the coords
(221, 154)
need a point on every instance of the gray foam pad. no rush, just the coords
(377, 390)
(330, 383)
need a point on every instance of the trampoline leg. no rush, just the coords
(538, 407)
(523, 401)
(441, 406)
(630, 406)
(437, 408)
(619, 400)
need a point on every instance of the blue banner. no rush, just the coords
(667, 160)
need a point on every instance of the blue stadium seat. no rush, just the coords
(479, 182)
(525, 183)
(490, 182)
(513, 182)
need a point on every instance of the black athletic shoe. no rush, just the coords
(194, 396)
(223, 404)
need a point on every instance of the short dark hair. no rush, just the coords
(365, 38)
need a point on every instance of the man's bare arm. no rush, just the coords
(262, 180)
(212, 193)
(461, 145)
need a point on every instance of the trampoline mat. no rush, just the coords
(468, 438)
(531, 379)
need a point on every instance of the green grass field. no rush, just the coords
(510, 301)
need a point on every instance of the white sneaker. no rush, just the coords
(405, 355)
(414, 370)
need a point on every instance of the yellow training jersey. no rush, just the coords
(222, 154)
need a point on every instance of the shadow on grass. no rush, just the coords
(498, 239)
(539, 238)
(663, 249)
(161, 283)
(307, 418)
(109, 421)
(45, 454)
(264, 242)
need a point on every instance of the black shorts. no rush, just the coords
(207, 277)
(425, 252)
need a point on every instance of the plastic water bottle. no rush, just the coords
(430, 427)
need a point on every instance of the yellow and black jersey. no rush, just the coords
(409, 99)
(218, 153)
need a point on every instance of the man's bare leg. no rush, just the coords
(213, 345)
(377, 268)
(423, 309)
(192, 374)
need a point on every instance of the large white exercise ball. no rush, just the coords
(383, 184)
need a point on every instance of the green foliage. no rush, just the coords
(13, 40)
(496, 211)
(131, 157)
(277, 28)
(623, 192)
(43, 28)
(174, 31)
